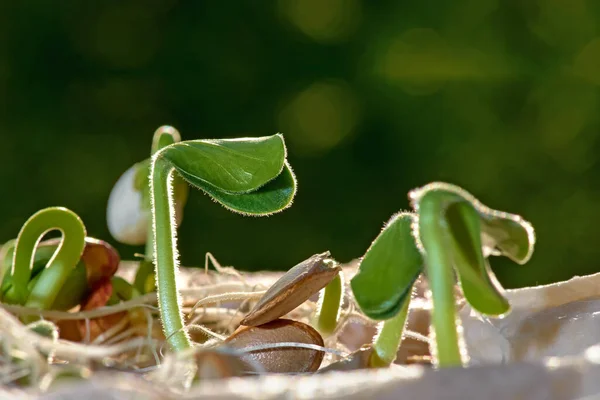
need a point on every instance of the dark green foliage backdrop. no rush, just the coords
(374, 98)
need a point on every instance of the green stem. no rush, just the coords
(52, 278)
(330, 306)
(165, 258)
(388, 341)
(433, 234)
(164, 136)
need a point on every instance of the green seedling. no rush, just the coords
(450, 233)
(57, 273)
(249, 176)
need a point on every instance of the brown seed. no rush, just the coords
(293, 288)
(279, 359)
(220, 364)
(359, 359)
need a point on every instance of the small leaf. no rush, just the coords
(388, 270)
(228, 165)
(271, 198)
(463, 224)
(510, 234)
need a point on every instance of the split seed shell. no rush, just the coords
(295, 287)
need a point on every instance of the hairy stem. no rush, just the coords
(52, 278)
(163, 136)
(330, 306)
(433, 233)
(388, 340)
(165, 253)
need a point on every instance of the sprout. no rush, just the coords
(450, 233)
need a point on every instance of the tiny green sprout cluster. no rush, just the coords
(448, 234)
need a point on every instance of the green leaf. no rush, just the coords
(388, 270)
(229, 165)
(512, 236)
(476, 278)
(270, 198)
(507, 234)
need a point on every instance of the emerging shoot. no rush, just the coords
(450, 233)
(249, 176)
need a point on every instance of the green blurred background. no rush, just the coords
(374, 98)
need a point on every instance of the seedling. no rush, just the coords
(249, 176)
(450, 232)
(55, 274)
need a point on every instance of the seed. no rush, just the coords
(358, 359)
(279, 359)
(293, 288)
(220, 363)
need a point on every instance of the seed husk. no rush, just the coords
(220, 363)
(295, 287)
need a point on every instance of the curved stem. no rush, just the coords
(433, 233)
(385, 346)
(52, 278)
(163, 136)
(165, 253)
(330, 306)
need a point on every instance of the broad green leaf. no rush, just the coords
(464, 227)
(510, 234)
(228, 165)
(270, 198)
(388, 270)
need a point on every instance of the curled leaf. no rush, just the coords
(228, 165)
(502, 233)
(455, 223)
(388, 270)
(273, 197)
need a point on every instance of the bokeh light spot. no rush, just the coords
(325, 21)
(122, 36)
(320, 117)
(587, 63)
(563, 24)
(421, 62)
